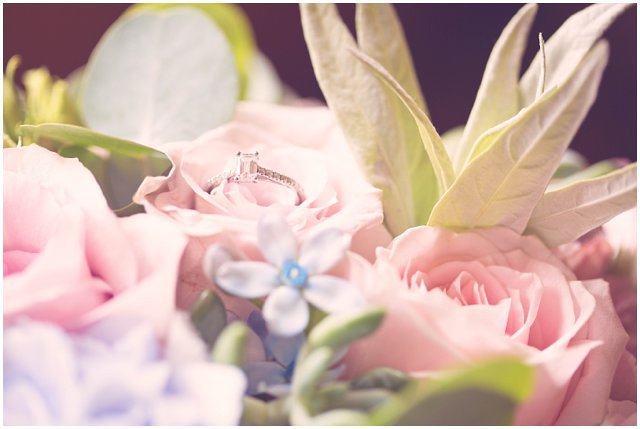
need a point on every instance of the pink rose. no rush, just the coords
(610, 253)
(304, 143)
(453, 298)
(68, 259)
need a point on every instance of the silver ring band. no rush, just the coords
(247, 170)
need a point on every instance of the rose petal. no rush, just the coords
(320, 252)
(275, 239)
(247, 279)
(286, 312)
(332, 294)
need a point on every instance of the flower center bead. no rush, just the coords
(293, 275)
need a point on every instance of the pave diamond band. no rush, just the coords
(247, 170)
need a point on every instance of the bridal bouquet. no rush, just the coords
(185, 242)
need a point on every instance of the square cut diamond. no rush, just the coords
(246, 167)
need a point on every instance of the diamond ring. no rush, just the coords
(247, 170)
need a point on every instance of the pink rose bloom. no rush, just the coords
(68, 259)
(454, 298)
(610, 253)
(304, 143)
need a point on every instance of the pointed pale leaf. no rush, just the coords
(568, 46)
(382, 135)
(505, 182)
(430, 137)
(568, 213)
(498, 97)
(157, 77)
(380, 36)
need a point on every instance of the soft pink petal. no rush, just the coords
(587, 404)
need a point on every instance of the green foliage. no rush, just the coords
(209, 316)
(482, 394)
(235, 26)
(118, 165)
(160, 76)
(230, 346)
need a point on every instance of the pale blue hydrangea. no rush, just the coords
(291, 277)
(115, 373)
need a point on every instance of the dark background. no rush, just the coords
(450, 46)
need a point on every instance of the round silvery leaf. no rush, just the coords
(157, 77)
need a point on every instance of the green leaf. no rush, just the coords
(338, 417)
(230, 347)
(382, 134)
(7, 141)
(209, 316)
(119, 171)
(572, 162)
(12, 106)
(157, 77)
(580, 172)
(310, 370)
(506, 180)
(380, 36)
(381, 378)
(47, 99)
(451, 139)
(498, 96)
(431, 140)
(483, 394)
(76, 135)
(567, 213)
(339, 330)
(235, 26)
(568, 47)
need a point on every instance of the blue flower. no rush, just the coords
(115, 373)
(290, 278)
(271, 374)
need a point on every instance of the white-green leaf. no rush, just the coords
(498, 97)
(383, 136)
(380, 36)
(504, 182)
(568, 47)
(567, 213)
(430, 138)
(157, 77)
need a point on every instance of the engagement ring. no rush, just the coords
(247, 170)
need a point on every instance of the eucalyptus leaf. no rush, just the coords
(12, 105)
(567, 213)
(380, 36)
(568, 47)
(483, 394)
(157, 77)
(235, 26)
(339, 330)
(498, 96)
(517, 159)
(208, 316)
(382, 134)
